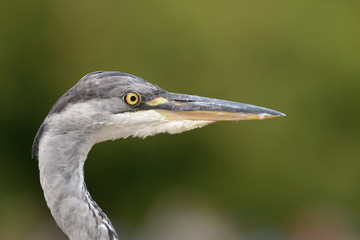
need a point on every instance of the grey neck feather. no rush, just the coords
(61, 161)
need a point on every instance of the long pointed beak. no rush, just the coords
(175, 106)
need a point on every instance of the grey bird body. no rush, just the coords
(104, 106)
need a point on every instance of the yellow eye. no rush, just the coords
(132, 98)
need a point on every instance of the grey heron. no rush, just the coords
(108, 105)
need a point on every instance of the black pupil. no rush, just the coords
(133, 98)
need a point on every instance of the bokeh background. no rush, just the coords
(281, 179)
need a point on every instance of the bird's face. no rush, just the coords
(110, 105)
(138, 108)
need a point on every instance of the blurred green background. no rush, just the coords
(275, 179)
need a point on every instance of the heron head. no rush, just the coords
(109, 105)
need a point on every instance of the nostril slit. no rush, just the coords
(177, 100)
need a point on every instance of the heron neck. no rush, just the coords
(61, 161)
